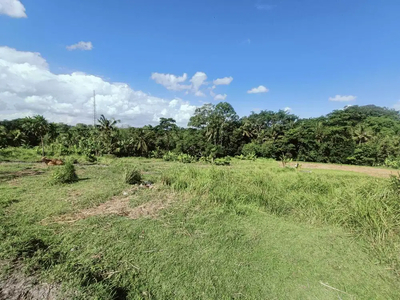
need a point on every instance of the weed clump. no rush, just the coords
(222, 161)
(186, 158)
(133, 175)
(395, 182)
(170, 156)
(64, 174)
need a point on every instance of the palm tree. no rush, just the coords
(107, 128)
(167, 126)
(39, 127)
(141, 144)
(247, 129)
(106, 125)
(361, 134)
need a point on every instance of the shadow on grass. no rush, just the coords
(83, 179)
(6, 176)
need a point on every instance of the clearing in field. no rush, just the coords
(253, 230)
(372, 171)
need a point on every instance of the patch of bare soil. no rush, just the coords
(19, 287)
(6, 176)
(359, 169)
(119, 206)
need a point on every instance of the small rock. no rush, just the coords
(125, 193)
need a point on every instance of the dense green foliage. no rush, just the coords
(361, 135)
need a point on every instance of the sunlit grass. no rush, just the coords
(249, 231)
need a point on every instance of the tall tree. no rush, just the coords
(167, 126)
(39, 127)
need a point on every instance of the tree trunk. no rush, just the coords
(43, 154)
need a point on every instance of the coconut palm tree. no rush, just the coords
(142, 143)
(362, 134)
(106, 125)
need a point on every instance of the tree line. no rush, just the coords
(361, 135)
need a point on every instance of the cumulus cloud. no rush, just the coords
(175, 83)
(12, 8)
(260, 89)
(28, 87)
(339, 98)
(223, 81)
(85, 46)
(197, 81)
(220, 97)
(171, 82)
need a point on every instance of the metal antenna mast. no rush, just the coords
(94, 108)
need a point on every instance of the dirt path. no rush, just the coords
(359, 169)
(119, 206)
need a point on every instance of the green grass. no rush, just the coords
(249, 231)
(19, 154)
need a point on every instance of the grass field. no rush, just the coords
(253, 230)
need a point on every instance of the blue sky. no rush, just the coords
(303, 52)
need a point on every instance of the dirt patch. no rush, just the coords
(119, 206)
(359, 169)
(6, 176)
(19, 287)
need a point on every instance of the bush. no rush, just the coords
(186, 158)
(222, 161)
(133, 175)
(64, 174)
(170, 156)
(267, 149)
(206, 159)
(158, 153)
(392, 162)
(251, 156)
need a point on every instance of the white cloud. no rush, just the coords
(86, 46)
(28, 87)
(12, 8)
(287, 109)
(223, 81)
(199, 94)
(260, 89)
(340, 98)
(220, 97)
(176, 83)
(197, 81)
(171, 82)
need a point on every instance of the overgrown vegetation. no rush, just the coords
(253, 230)
(133, 175)
(64, 174)
(360, 135)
